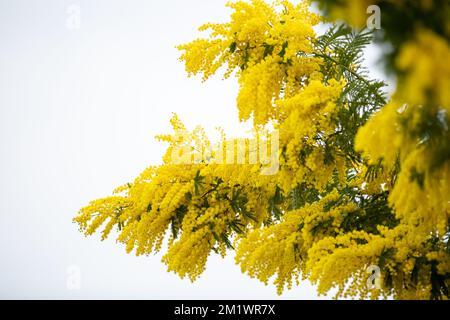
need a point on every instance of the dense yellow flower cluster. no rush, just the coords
(204, 203)
(302, 118)
(352, 11)
(328, 213)
(97, 212)
(282, 249)
(357, 12)
(427, 79)
(413, 130)
(411, 133)
(273, 251)
(262, 42)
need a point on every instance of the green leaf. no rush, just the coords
(233, 46)
(268, 49)
(177, 220)
(283, 49)
(227, 241)
(198, 183)
(237, 226)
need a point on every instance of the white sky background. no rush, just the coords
(79, 110)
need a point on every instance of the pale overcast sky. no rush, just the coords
(79, 109)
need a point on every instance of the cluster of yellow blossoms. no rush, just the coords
(411, 133)
(282, 249)
(201, 205)
(262, 42)
(325, 215)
